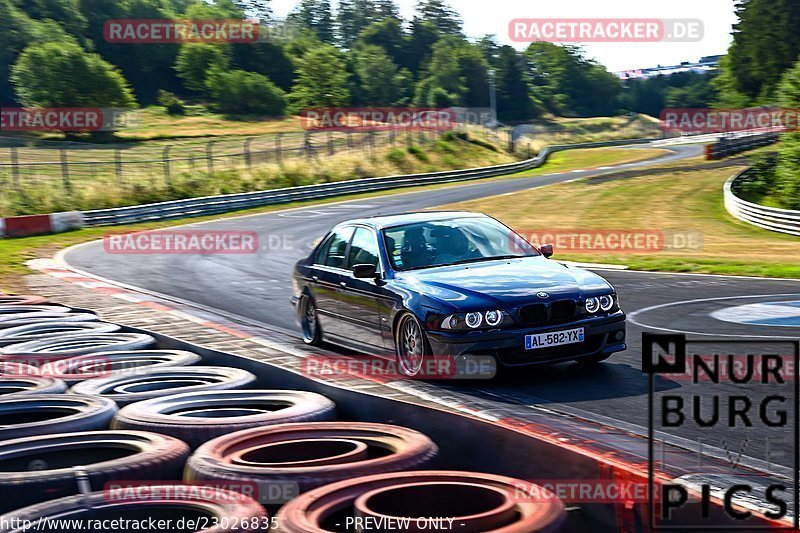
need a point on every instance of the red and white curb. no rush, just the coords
(25, 226)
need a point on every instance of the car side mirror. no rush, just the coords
(547, 250)
(365, 271)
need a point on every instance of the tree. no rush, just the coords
(241, 92)
(267, 58)
(64, 75)
(387, 9)
(64, 12)
(380, 81)
(423, 36)
(441, 15)
(258, 10)
(316, 15)
(389, 35)
(148, 67)
(766, 42)
(352, 17)
(195, 60)
(789, 88)
(322, 79)
(514, 100)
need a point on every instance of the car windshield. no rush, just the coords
(451, 242)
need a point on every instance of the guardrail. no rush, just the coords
(769, 218)
(743, 141)
(211, 205)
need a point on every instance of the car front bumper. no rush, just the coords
(602, 336)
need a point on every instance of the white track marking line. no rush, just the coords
(632, 316)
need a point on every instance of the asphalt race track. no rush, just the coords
(257, 287)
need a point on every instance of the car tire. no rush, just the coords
(22, 299)
(83, 344)
(102, 365)
(309, 322)
(167, 414)
(53, 330)
(17, 386)
(43, 414)
(35, 469)
(315, 453)
(407, 326)
(489, 502)
(127, 389)
(24, 319)
(231, 512)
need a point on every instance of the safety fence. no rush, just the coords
(770, 218)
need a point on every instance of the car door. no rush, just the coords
(326, 278)
(359, 298)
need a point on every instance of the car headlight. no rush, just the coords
(592, 305)
(476, 319)
(493, 318)
(606, 302)
(473, 320)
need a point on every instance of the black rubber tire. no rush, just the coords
(43, 414)
(24, 319)
(267, 407)
(127, 389)
(22, 299)
(21, 385)
(312, 336)
(233, 512)
(102, 365)
(16, 369)
(6, 310)
(84, 344)
(53, 330)
(36, 469)
(388, 449)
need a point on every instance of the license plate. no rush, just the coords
(554, 338)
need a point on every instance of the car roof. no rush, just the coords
(387, 221)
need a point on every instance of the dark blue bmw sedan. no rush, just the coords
(455, 284)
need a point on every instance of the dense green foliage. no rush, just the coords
(361, 53)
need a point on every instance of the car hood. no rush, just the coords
(504, 282)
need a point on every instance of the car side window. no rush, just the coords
(333, 251)
(364, 248)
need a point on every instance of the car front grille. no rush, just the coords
(534, 313)
(556, 311)
(563, 309)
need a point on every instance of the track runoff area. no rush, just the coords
(716, 374)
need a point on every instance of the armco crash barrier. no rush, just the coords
(477, 459)
(26, 226)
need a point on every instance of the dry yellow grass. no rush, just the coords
(677, 200)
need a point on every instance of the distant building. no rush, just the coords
(705, 64)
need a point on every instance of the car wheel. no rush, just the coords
(411, 345)
(594, 360)
(309, 322)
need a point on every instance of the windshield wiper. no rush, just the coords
(479, 259)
